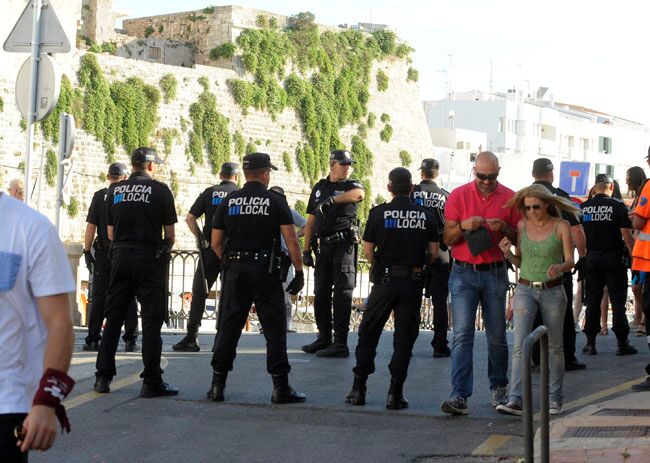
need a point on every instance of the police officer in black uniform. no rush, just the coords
(331, 222)
(396, 239)
(608, 229)
(543, 175)
(99, 266)
(207, 204)
(140, 209)
(429, 195)
(252, 220)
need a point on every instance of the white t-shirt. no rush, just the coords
(32, 264)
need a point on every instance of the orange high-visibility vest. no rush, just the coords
(641, 251)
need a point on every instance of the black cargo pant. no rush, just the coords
(605, 268)
(212, 266)
(246, 283)
(403, 297)
(334, 268)
(9, 453)
(646, 307)
(101, 279)
(439, 289)
(135, 272)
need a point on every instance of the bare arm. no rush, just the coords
(109, 232)
(579, 239)
(353, 196)
(309, 231)
(369, 251)
(170, 234)
(638, 222)
(291, 239)
(217, 240)
(627, 237)
(89, 236)
(453, 233)
(506, 244)
(190, 220)
(433, 248)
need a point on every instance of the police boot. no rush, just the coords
(218, 386)
(396, 400)
(190, 342)
(339, 348)
(357, 395)
(624, 348)
(321, 342)
(590, 347)
(283, 393)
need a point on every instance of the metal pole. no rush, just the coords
(527, 418)
(544, 377)
(36, 57)
(63, 119)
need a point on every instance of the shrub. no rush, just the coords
(385, 118)
(225, 50)
(382, 81)
(387, 133)
(168, 85)
(412, 75)
(148, 31)
(405, 157)
(51, 167)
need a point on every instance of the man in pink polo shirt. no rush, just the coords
(475, 222)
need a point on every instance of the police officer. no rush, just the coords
(331, 221)
(140, 208)
(429, 195)
(99, 266)
(395, 240)
(252, 220)
(608, 229)
(207, 204)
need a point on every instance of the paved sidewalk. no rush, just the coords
(614, 431)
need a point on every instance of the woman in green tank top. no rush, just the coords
(544, 251)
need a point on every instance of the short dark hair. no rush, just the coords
(400, 189)
(139, 166)
(256, 173)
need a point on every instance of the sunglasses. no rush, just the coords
(535, 207)
(489, 177)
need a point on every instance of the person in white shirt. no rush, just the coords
(36, 338)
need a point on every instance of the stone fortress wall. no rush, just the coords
(401, 101)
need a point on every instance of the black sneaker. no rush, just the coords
(456, 406)
(441, 353)
(626, 349)
(102, 385)
(157, 390)
(131, 346)
(187, 344)
(510, 408)
(334, 350)
(589, 349)
(92, 346)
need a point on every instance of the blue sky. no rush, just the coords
(591, 53)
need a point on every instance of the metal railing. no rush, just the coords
(539, 334)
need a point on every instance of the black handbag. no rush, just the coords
(478, 240)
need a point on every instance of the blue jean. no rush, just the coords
(552, 304)
(468, 288)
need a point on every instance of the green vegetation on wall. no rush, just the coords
(73, 207)
(168, 85)
(239, 145)
(362, 171)
(2, 104)
(379, 199)
(51, 167)
(225, 50)
(168, 136)
(286, 159)
(362, 130)
(412, 75)
(301, 207)
(174, 185)
(209, 131)
(385, 118)
(372, 119)
(382, 81)
(405, 157)
(148, 31)
(70, 101)
(387, 133)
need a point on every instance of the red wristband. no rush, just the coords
(53, 388)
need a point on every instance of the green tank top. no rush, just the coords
(538, 256)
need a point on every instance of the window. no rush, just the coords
(500, 125)
(605, 169)
(154, 53)
(605, 145)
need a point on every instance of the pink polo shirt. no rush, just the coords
(467, 201)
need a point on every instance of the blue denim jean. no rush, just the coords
(552, 304)
(468, 288)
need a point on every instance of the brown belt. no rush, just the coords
(541, 284)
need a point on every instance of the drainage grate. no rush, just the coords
(643, 412)
(608, 431)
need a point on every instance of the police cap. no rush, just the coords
(429, 164)
(604, 178)
(117, 169)
(229, 169)
(143, 154)
(542, 166)
(255, 161)
(341, 156)
(400, 176)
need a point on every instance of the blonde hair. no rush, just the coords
(556, 204)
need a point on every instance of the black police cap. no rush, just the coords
(117, 169)
(429, 164)
(255, 161)
(604, 178)
(341, 156)
(229, 169)
(542, 166)
(143, 154)
(400, 176)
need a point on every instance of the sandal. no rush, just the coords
(603, 332)
(640, 330)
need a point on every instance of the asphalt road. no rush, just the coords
(120, 427)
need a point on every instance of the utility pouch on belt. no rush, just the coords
(285, 263)
(275, 261)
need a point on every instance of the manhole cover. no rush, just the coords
(623, 412)
(608, 431)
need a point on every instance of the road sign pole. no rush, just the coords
(36, 53)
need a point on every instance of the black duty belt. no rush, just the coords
(541, 284)
(134, 245)
(479, 267)
(259, 256)
(336, 238)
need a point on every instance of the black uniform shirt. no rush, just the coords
(430, 196)
(401, 231)
(97, 213)
(339, 216)
(602, 218)
(138, 207)
(208, 201)
(251, 217)
(563, 194)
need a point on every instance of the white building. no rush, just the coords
(519, 129)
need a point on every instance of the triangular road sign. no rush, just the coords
(53, 38)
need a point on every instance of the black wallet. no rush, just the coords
(478, 240)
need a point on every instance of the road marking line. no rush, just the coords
(122, 383)
(492, 444)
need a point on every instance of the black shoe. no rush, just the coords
(318, 344)
(334, 350)
(395, 399)
(357, 395)
(589, 349)
(157, 390)
(573, 365)
(283, 393)
(188, 344)
(131, 346)
(92, 346)
(624, 348)
(441, 353)
(216, 392)
(641, 387)
(102, 385)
